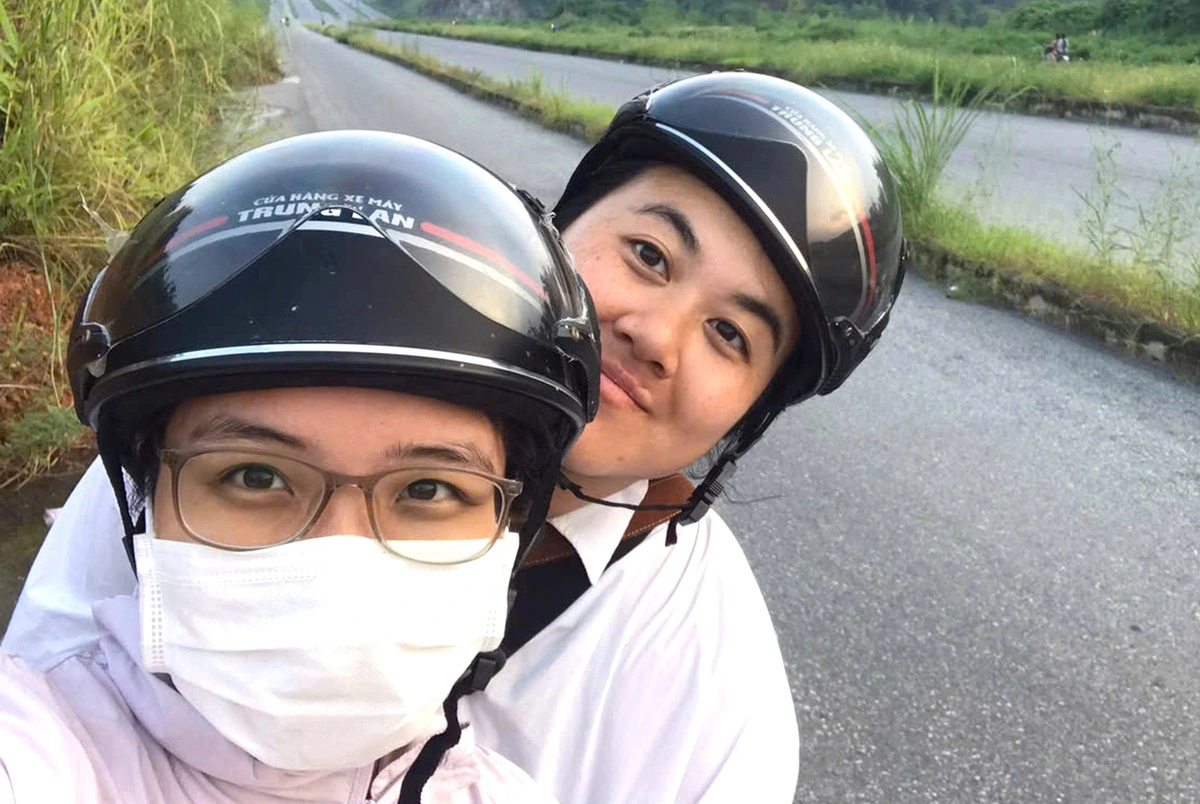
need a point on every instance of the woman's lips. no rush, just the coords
(620, 388)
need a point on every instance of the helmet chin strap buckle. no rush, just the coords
(706, 494)
(483, 670)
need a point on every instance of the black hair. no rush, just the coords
(608, 178)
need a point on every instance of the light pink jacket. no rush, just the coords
(98, 728)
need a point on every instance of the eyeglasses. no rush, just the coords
(247, 500)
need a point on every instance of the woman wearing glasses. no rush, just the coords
(332, 433)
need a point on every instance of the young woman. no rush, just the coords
(741, 239)
(318, 423)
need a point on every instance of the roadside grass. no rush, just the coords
(548, 107)
(1135, 289)
(872, 56)
(105, 106)
(326, 8)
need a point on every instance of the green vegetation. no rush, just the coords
(1161, 19)
(105, 106)
(919, 142)
(325, 8)
(34, 442)
(532, 98)
(873, 53)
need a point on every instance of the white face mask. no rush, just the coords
(322, 654)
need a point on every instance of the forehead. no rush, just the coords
(360, 420)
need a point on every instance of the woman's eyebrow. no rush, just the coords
(460, 453)
(226, 426)
(678, 221)
(763, 311)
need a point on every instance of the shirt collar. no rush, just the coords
(595, 530)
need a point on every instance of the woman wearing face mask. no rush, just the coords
(741, 238)
(321, 384)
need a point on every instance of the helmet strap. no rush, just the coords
(710, 488)
(573, 487)
(476, 678)
(109, 451)
(486, 665)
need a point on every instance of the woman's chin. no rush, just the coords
(608, 451)
(602, 452)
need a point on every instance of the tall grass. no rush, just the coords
(918, 144)
(106, 106)
(872, 58)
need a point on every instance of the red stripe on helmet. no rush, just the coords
(873, 271)
(470, 245)
(748, 96)
(199, 229)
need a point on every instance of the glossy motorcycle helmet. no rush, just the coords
(812, 188)
(344, 258)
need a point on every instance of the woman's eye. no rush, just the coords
(731, 335)
(429, 491)
(257, 477)
(650, 257)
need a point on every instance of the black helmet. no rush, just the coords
(814, 190)
(341, 258)
(805, 178)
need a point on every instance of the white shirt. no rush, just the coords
(663, 682)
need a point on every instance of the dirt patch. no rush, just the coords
(38, 431)
(28, 315)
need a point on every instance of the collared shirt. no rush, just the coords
(595, 530)
(663, 682)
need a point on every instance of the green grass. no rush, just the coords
(1012, 251)
(1128, 288)
(105, 106)
(325, 8)
(869, 53)
(34, 441)
(551, 108)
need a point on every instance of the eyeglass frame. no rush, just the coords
(175, 459)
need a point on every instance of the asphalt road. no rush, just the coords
(981, 554)
(1016, 169)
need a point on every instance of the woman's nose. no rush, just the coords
(345, 514)
(655, 338)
